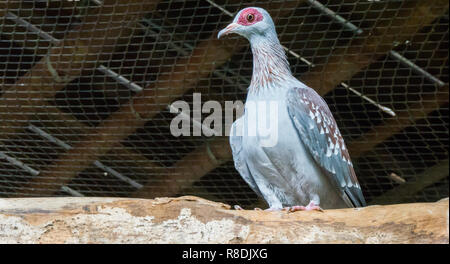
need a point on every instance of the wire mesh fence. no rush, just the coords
(85, 88)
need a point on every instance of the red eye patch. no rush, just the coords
(249, 16)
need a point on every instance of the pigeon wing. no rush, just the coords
(318, 130)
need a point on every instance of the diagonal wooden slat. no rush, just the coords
(342, 65)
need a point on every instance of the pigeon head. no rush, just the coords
(250, 22)
(270, 66)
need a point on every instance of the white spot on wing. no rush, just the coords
(329, 152)
(319, 118)
(335, 133)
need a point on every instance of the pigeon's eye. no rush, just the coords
(250, 17)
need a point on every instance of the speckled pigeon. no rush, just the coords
(309, 164)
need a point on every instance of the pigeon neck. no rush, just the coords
(270, 66)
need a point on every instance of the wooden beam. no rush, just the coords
(427, 178)
(190, 219)
(102, 29)
(54, 117)
(347, 61)
(117, 149)
(342, 66)
(172, 83)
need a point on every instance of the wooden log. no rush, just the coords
(190, 219)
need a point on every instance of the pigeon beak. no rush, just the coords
(228, 30)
